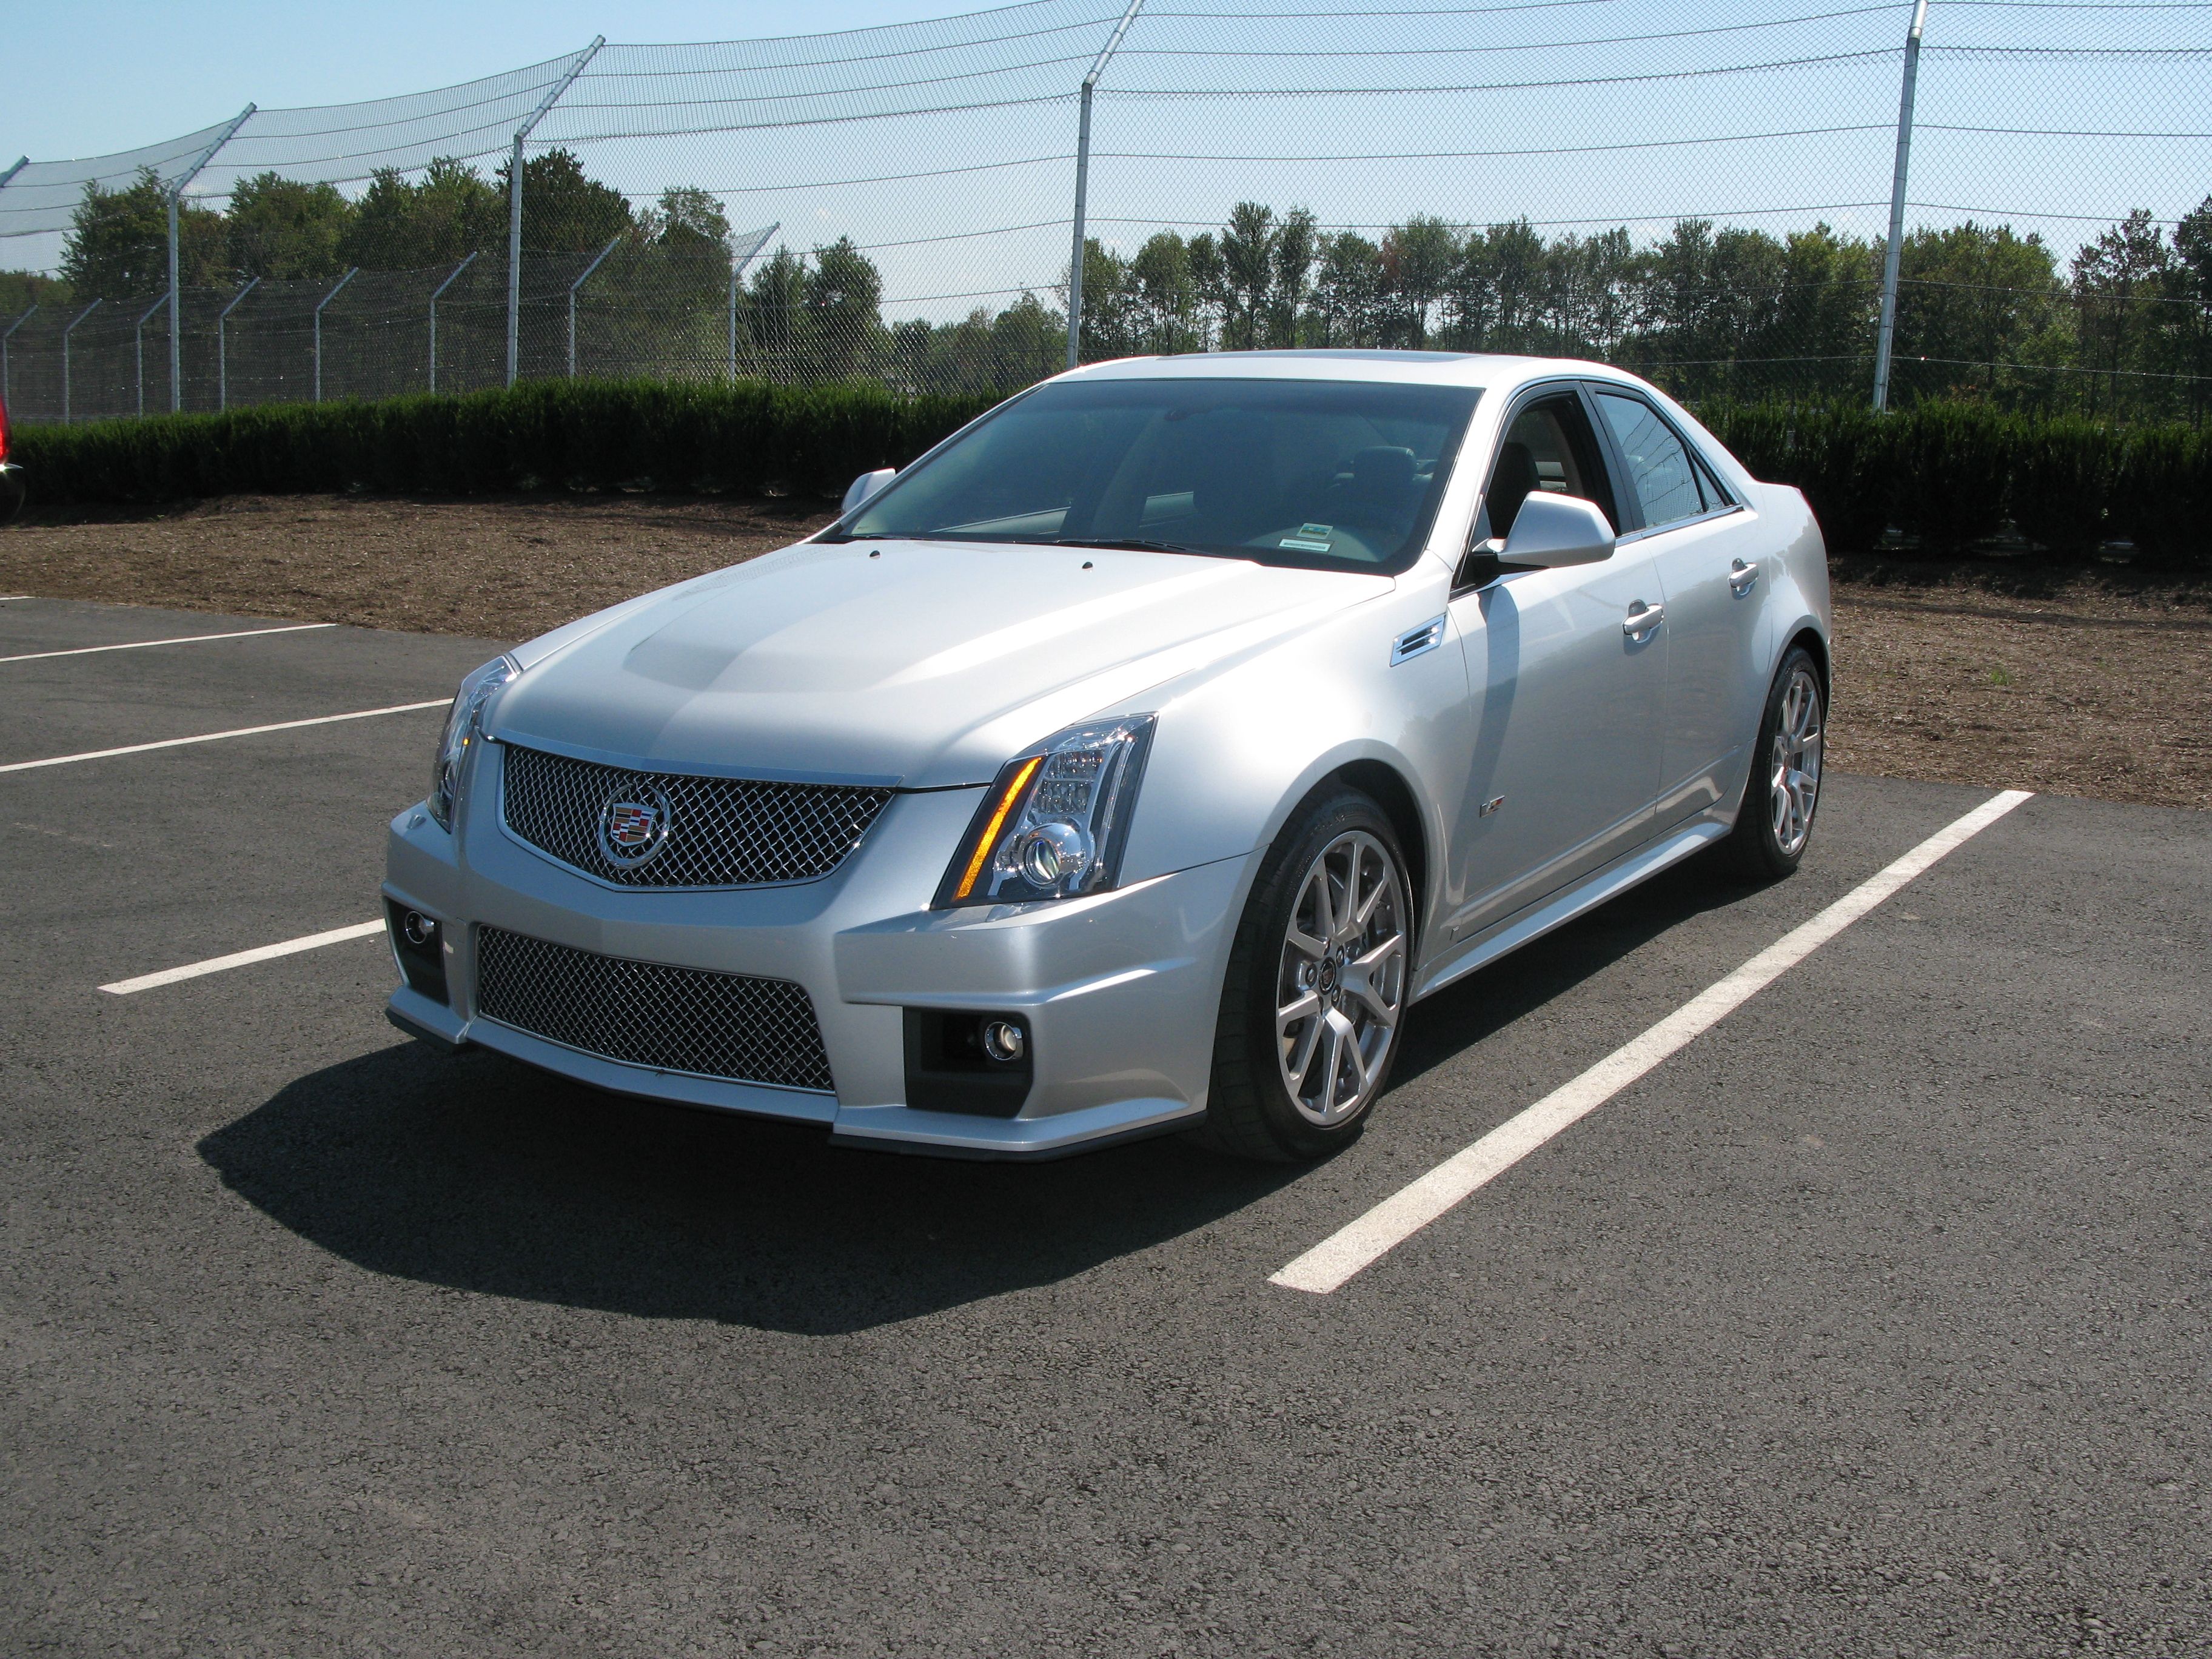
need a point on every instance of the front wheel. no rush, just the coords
(1774, 825)
(1315, 997)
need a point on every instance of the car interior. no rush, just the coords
(1549, 447)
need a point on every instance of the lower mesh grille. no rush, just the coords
(675, 1020)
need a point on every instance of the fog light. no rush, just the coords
(419, 929)
(1003, 1040)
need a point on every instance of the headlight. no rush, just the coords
(1055, 821)
(460, 732)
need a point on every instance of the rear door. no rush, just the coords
(1705, 546)
(1566, 753)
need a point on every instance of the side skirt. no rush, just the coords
(1561, 909)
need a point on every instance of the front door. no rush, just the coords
(1705, 547)
(1566, 757)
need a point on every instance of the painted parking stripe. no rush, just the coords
(182, 639)
(123, 987)
(1398, 1218)
(217, 737)
(11, 599)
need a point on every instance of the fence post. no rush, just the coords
(319, 304)
(12, 327)
(66, 333)
(176, 308)
(223, 345)
(1892, 253)
(573, 287)
(514, 208)
(139, 347)
(434, 292)
(1083, 185)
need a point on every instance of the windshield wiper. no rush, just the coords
(1128, 545)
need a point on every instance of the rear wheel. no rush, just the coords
(1315, 997)
(1775, 824)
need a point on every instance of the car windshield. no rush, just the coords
(1325, 474)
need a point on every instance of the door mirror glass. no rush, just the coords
(1551, 531)
(867, 485)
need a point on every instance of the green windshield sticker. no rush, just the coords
(1315, 532)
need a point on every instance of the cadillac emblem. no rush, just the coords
(631, 831)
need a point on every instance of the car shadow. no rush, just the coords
(476, 1173)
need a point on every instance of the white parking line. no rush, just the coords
(182, 639)
(1398, 1218)
(123, 987)
(216, 736)
(10, 598)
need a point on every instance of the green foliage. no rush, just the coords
(119, 243)
(21, 289)
(1947, 476)
(564, 210)
(282, 230)
(401, 223)
(566, 434)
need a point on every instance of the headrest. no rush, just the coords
(1382, 471)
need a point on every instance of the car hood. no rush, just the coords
(926, 663)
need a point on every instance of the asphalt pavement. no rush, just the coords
(1874, 1321)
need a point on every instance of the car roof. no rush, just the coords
(1470, 368)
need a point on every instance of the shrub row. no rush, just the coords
(743, 439)
(1945, 476)
(1948, 475)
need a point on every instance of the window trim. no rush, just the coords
(1535, 392)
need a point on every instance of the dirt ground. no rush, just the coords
(2101, 685)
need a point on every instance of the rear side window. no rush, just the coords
(1660, 470)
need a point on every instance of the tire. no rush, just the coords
(1774, 824)
(1355, 984)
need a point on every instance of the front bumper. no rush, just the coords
(1119, 992)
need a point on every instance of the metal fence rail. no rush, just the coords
(2008, 199)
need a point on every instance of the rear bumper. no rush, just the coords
(1119, 992)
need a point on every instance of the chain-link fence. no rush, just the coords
(1708, 199)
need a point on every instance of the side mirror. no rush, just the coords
(1551, 531)
(867, 485)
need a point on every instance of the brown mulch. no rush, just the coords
(2099, 685)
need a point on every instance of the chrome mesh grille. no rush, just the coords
(721, 832)
(676, 1019)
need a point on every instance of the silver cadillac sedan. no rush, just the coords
(1130, 763)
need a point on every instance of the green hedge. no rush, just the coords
(555, 434)
(1947, 476)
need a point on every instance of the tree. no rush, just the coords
(283, 230)
(1347, 307)
(119, 242)
(843, 309)
(1249, 244)
(1419, 259)
(1165, 301)
(1975, 300)
(2119, 279)
(401, 224)
(564, 210)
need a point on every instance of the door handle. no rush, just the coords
(1642, 619)
(1742, 575)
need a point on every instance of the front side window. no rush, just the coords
(1323, 474)
(1659, 468)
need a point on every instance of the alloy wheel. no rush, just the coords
(1794, 776)
(1341, 986)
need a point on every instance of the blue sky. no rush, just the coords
(94, 76)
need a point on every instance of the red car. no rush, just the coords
(11, 475)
